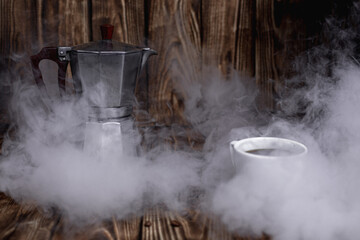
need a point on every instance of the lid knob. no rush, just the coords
(106, 31)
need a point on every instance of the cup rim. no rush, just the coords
(234, 145)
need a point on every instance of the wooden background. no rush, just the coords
(256, 38)
(253, 38)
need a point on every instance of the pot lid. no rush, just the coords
(106, 45)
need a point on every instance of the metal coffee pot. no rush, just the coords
(104, 72)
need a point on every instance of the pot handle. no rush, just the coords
(50, 53)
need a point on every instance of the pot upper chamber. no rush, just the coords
(105, 73)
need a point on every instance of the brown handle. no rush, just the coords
(50, 53)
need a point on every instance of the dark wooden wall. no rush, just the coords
(257, 38)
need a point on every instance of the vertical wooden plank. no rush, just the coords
(219, 24)
(8, 216)
(127, 229)
(284, 30)
(42, 23)
(18, 33)
(127, 16)
(73, 22)
(150, 226)
(5, 28)
(47, 17)
(228, 35)
(244, 47)
(217, 230)
(298, 28)
(5, 24)
(161, 225)
(23, 26)
(291, 36)
(18, 39)
(28, 26)
(266, 73)
(193, 224)
(29, 223)
(174, 31)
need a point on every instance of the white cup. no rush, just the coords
(269, 158)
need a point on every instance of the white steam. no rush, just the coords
(321, 200)
(46, 162)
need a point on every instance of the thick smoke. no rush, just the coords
(44, 161)
(320, 199)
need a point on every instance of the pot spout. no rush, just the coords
(147, 52)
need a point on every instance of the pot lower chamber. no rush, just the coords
(104, 138)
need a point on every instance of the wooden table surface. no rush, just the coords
(28, 221)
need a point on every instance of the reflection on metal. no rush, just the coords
(104, 74)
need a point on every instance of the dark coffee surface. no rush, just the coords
(271, 152)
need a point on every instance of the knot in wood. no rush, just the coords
(175, 223)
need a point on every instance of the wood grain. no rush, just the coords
(174, 31)
(159, 224)
(219, 24)
(18, 32)
(32, 25)
(8, 216)
(291, 36)
(244, 51)
(5, 24)
(110, 229)
(266, 73)
(27, 222)
(73, 22)
(22, 25)
(32, 225)
(228, 35)
(126, 15)
(47, 17)
(164, 225)
(23, 221)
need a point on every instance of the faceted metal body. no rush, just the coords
(106, 78)
(104, 74)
